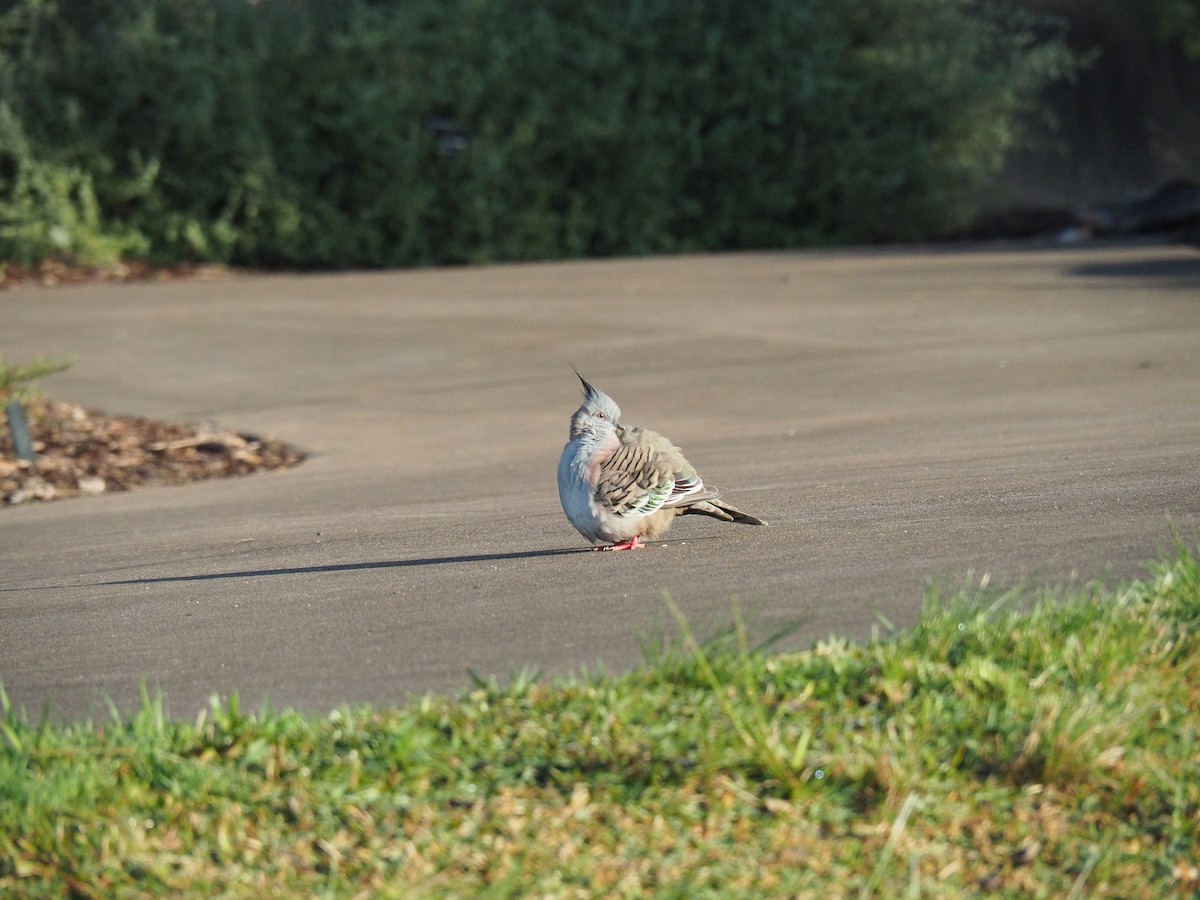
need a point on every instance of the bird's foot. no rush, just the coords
(634, 543)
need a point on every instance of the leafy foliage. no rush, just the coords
(1180, 19)
(379, 132)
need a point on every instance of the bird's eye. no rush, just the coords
(601, 415)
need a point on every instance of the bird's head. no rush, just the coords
(599, 414)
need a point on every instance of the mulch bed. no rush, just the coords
(79, 452)
(54, 272)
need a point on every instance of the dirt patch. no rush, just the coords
(79, 452)
(55, 272)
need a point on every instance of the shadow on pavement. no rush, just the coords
(352, 567)
(1150, 268)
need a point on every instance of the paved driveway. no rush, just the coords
(900, 417)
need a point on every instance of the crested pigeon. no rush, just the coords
(620, 484)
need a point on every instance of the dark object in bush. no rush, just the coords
(1172, 206)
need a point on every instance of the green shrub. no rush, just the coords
(306, 133)
(49, 208)
(1179, 20)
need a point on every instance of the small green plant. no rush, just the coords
(18, 382)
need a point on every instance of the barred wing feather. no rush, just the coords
(645, 473)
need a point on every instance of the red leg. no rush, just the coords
(634, 543)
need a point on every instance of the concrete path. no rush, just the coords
(898, 416)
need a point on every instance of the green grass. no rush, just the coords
(1008, 745)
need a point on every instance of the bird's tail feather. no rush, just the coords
(720, 510)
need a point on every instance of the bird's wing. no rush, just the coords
(645, 473)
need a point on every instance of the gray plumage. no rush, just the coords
(620, 484)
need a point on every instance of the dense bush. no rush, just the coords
(399, 132)
(1179, 20)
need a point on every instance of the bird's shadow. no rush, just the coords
(351, 567)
